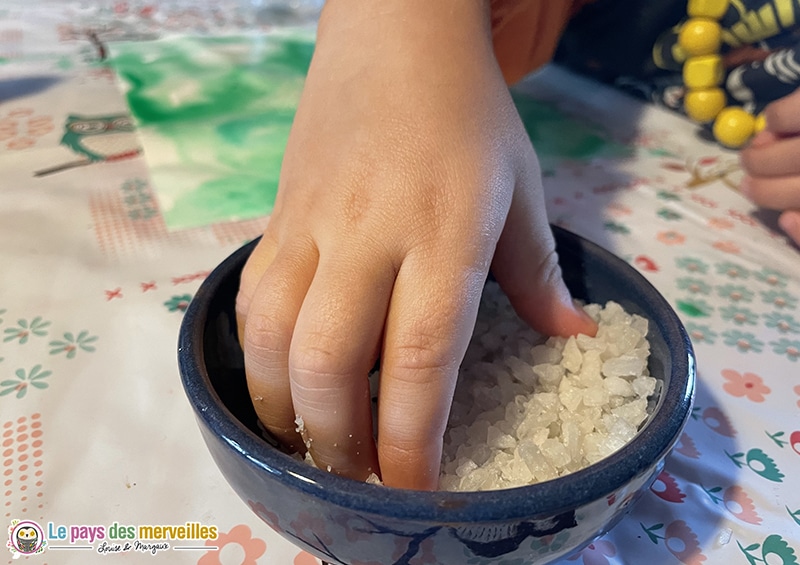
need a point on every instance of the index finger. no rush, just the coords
(429, 324)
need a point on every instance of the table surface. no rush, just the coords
(96, 268)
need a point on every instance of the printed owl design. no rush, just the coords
(97, 139)
(27, 539)
(100, 138)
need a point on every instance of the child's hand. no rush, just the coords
(772, 164)
(407, 173)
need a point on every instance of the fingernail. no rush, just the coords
(589, 323)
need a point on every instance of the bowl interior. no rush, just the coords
(213, 371)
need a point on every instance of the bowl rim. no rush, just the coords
(651, 443)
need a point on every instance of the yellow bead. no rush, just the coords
(734, 127)
(703, 72)
(700, 36)
(704, 105)
(761, 122)
(713, 9)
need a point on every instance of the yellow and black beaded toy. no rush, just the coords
(700, 38)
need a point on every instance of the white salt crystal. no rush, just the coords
(540, 435)
(595, 396)
(535, 460)
(644, 386)
(571, 438)
(521, 370)
(480, 453)
(555, 342)
(572, 357)
(639, 324)
(593, 446)
(516, 472)
(555, 453)
(593, 310)
(618, 386)
(569, 395)
(497, 439)
(466, 467)
(590, 373)
(613, 314)
(624, 366)
(587, 343)
(549, 375)
(634, 411)
(546, 354)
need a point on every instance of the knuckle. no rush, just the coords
(318, 362)
(419, 354)
(402, 450)
(264, 338)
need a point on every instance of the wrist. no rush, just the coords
(410, 26)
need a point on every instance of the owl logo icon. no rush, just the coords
(25, 537)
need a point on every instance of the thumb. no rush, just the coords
(526, 266)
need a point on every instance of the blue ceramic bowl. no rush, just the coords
(344, 521)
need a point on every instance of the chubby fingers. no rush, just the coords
(772, 158)
(775, 193)
(336, 341)
(789, 221)
(272, 290)
(428, 327)
(783, 115)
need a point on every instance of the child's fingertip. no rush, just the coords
(789, 222)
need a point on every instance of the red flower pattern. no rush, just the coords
(682, 542)
(671, 237)
(239, 535)
(686, 447)
(305, 558)
(716, 419)
(739, 503)
(666, 488)
(749, 385)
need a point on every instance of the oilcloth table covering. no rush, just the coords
(107, 229)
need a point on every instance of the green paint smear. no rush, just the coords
(224, 108)
(557, 135)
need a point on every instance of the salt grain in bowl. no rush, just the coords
(529, 409)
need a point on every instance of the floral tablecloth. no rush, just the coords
(98, 440)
